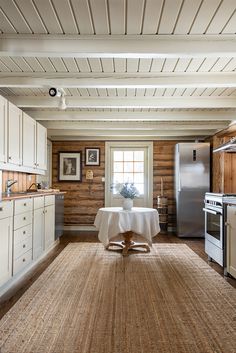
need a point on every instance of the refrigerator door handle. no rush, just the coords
(211, 211)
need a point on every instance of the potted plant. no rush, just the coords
(129, 192)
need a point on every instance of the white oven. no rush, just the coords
(214, 227)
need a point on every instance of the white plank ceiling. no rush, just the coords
(167, 66)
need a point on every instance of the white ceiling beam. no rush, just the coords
(118, 46)
(127, 134)
(144, 126)
(115, 80)
(127, 102)
(197, 115)
(124, 138)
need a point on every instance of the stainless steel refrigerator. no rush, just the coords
(192, 181)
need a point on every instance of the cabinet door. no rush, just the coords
(49, 225)
(3, 130)
(38, 233)
(5, 250)
(231, 240)
(41, 149)
(14, 134)
(29, 141)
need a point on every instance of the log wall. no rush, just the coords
(24, 180)
(83, 199)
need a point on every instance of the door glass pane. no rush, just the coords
(128, 155)
(128, 177)
(118, 167)
(118, 178)
(138, 178)
(128, 167)
(140, 188)
(118, 156)
(138, 167)
(138, 155)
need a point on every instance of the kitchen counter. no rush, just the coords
(230, 200)
(23, 195)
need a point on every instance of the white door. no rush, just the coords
(3, 130)
(129, 162)
(49, 226)
(29, 130)
(14, 135)
(5, 250)
(38, 233)
(41, 150)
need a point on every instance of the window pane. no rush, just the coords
(118, 167)
(118, 156)
(128, 178)
(128, 155)
(140, 188)
(118, 178)
(138, 167)
(138, 178)
(128, 167)
(138, 155)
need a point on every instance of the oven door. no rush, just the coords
(214, 225)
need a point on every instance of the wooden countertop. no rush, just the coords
(23, 195)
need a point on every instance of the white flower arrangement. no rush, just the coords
(127, 190)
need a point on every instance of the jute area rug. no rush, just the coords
(94, 301)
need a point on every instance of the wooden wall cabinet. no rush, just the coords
(3, 130)
(6, 213)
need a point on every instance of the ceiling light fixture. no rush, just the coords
(59, 92)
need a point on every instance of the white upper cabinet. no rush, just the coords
(29, 141)
(41, 148)
(3, 130)
(14, 135)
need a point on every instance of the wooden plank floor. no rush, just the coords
(11, 297)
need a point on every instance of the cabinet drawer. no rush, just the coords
(23, 205)
(22, 233)
(38, 202)
(22, 220)
(49, 200)
(22, 262)
(22, 247)
(6, 209)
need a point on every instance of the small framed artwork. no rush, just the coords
(92, 156)
(70, 166)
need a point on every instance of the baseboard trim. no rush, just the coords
(81, 228)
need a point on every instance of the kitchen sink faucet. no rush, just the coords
(9, 184)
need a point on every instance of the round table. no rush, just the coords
(111, 221)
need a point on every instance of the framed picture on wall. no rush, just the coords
(92, 156)
(70, 166)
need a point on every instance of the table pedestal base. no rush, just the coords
(128, 244)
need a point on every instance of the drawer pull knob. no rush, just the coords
(24, 232)
(1, 208)
(9, 157)
(25, 204)
(23, 260)
(23, 245)
(24, 218)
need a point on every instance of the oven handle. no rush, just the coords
(211, 211)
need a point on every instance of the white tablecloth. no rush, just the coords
(111, 221)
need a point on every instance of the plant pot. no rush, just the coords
(128, 204)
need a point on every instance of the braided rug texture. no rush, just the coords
(90, 300)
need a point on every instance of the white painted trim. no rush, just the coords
(117, 46)
(19, 277)
(114, 144)
(19, 168)
(118, 80)
(80, 228)
(182, 102)
(124, 138)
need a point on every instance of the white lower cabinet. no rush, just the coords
(43, 224)
(231, 240)
(49, 221)
(6, 213)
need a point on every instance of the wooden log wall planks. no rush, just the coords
(24, 180)
(83, 199)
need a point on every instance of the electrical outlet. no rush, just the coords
(103, 179)
(30, 177)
